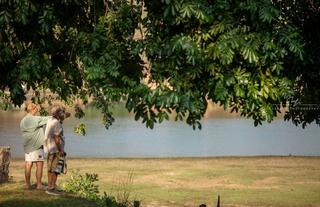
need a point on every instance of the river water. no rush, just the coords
(220, 136)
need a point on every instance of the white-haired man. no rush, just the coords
(54, 144)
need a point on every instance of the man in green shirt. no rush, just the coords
(33, 137)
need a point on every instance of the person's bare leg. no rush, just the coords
(27, 173)
(39, 171)
(52, 179)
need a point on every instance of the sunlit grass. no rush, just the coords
(255, 181)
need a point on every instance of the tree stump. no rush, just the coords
(4, 163)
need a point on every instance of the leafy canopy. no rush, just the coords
(165, 56)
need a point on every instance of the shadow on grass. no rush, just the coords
(59, 202)
(13, 194)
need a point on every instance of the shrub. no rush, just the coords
(109, 201)
(83, 185)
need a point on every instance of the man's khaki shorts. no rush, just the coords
(52, 162)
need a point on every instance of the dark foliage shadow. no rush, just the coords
(63, 201)
(20, 197)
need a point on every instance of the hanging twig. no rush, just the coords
(106, 6)
(140, 24)
(94, 13)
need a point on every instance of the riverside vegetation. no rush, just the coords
(240, 181)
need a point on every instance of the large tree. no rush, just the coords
(165, 56)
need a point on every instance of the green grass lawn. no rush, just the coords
(253, 181)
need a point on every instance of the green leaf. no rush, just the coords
(220, 91)
(80, 129)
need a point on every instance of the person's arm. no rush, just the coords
(58, 131)
(42, 120)
(57, 140)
